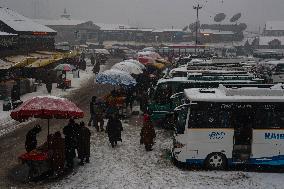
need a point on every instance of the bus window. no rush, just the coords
(279, 68)
(277, 120)
(269, 119)
(211, 118)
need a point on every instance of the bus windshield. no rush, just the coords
(279, 68)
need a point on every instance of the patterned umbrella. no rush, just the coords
(65, 67)
(115, 77)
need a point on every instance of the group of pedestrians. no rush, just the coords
(77, 136)
(114, 125)
(99, 111)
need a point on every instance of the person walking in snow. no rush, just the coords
(48, 83)
(147, 133)
(113, 129)
(71, 133)
(96, 68)
(84, 136)
(97, 114)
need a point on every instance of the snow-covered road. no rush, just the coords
(130, 166)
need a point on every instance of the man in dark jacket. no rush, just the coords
(71, 132)
(97, 111)
(96, 68)
(31, 141)
(113, 129)
(48, 83)
(84, 143)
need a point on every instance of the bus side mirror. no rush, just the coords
(179, 108)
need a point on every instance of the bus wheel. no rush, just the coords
(216, 161)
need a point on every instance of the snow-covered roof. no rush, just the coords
(216, 32)
(174, 79)
(167, 30)
(265, 40)
(220, 81)
(274, 25)
(20, 23)
(60, 22)
(273, 62)
(245, 94)
(104, 26)
(184, 69)
(6, 34)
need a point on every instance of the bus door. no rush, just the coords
(242, 121)
(160, 105)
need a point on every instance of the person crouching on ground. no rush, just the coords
(31, 141)
(84, 144)
(147, 133)
(113, 129)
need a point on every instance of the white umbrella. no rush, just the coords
(143, 67)
(128, 67)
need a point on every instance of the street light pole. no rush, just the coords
(197, 8)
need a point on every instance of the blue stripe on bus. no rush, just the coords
(195, 161)
(201, 161)
(275, 160)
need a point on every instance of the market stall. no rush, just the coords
(44, 107)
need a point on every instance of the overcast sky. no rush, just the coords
(152, 13)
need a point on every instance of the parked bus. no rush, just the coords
(220, 127)
(274, 69)
(161, 106)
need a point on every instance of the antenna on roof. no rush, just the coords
(36, 8)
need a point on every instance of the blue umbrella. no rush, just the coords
(115, 77)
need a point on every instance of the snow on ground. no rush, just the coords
(7, 124)
(130, 166)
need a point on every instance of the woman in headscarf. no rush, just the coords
(147, 133)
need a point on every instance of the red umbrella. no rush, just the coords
(47, 107)
(65, 67)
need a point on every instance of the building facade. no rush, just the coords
(22, 34)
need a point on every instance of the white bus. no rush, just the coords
(277, 70)
(220, 127)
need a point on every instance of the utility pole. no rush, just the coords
(197, 8)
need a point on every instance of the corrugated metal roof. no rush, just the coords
(21, 23)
